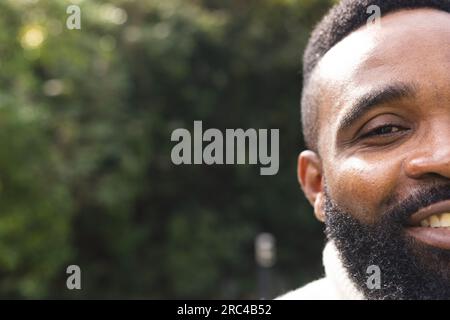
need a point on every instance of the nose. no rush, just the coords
(431, 156)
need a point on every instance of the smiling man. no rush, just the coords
(376, 120)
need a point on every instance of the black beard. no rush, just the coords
(409, 269)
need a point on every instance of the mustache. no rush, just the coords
(421, 197)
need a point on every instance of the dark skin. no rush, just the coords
(384, 116)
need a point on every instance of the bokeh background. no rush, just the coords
(85, 171)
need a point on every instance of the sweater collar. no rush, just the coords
(338, 275)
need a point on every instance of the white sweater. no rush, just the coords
(336, 284)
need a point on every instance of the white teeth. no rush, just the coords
(437, 221)
(425, 223)
(434, 221)
(445, 220)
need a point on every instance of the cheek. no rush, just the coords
(361, 186)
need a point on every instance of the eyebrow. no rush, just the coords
(376, 98)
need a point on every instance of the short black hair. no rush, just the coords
(340, 21)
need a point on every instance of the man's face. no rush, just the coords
(384, 145)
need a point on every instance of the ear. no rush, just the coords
(309, 172)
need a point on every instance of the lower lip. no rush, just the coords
(436, 237)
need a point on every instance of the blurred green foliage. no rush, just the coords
(85, 170)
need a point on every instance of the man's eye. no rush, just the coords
(383, 130)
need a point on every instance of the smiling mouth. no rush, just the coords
(431, 225)
(437, 221)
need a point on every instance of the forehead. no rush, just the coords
(412, 34)
(409, 46)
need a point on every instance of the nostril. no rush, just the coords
(436, 164)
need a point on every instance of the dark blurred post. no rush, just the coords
(265, 258)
